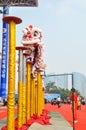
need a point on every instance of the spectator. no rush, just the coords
(83, 101)
(79, 105)
(59, 101)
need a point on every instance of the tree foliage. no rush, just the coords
(52, 88)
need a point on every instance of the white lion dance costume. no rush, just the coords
(32, 39)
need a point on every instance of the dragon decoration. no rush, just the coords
(32, 40)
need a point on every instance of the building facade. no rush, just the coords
(65, 81)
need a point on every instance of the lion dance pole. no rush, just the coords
(28, 88)
(12, 21)
(21, 87)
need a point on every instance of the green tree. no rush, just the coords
(52, 88)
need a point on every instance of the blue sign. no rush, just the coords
(4, 55)
(49, 97)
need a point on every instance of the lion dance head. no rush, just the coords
(32, 35)
(32, 39)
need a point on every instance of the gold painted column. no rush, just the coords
(12, 21)
(34, 103)
(24, 90)
(32, 95)
(21, 86)
(42, 95)
(28, 91)
(38, 93)
(36, 96)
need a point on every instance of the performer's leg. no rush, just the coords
(75, 111)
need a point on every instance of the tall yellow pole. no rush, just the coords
(24, 89)
(28, 91)
(32, 96)
(41, 91)
(36, 97)
(21, 87)
(38, 93)
(43, 97)
(12, 21)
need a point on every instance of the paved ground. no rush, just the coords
(2, 123)
(57, 120)
(58, 123)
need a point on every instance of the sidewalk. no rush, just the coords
(58, 123)
(2, 123)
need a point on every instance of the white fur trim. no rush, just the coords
(36, 29)
(25, 30)
(31, 42)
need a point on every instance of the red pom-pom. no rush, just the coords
(30, 26)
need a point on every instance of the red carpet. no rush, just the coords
(65, 110)
(3, 112)
(43, 119)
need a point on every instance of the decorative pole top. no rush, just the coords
(7, 19)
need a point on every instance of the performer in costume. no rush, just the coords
(32, 39)
(73, 96)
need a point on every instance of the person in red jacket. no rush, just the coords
(73, 96)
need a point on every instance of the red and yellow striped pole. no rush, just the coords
(12, 21)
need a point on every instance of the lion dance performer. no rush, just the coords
(32, 39)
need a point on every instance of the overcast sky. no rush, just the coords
(63, 24)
